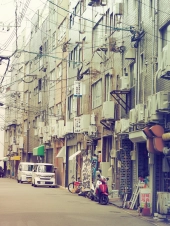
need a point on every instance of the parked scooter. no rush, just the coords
(100, 194)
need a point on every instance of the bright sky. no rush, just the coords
(7, 17)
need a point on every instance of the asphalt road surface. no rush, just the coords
(24, 205)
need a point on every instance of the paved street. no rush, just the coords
(24, 205)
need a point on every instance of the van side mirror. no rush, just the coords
(34, 170)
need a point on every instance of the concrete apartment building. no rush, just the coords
(94, 83)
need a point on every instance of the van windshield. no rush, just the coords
(46, 169)
(27, 167)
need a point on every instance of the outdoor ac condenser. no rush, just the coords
(163, 203)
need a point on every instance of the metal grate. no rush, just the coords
(125, 171)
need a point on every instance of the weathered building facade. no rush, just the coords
(93, 80)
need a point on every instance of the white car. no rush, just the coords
(43, 174)
(25, 172)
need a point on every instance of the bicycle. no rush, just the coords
(75, 186)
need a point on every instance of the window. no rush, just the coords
(45, 169)
(164, 36)
(72, 106)
(58, 111)
(107, 87)
(71, 21)
(98, 31)
(77, 8)
(111, 23)
(46, 47)
(39, 84)
(52, 77)
(70, 58)
(107, 22)
(76, 56)
(132, 75)
(54, 40)
(79, 105)
(62, 30)
(97, 94)
(150, 8)
(59, 71)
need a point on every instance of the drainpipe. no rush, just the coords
(67, 162)
(153, 46)
(137, 58)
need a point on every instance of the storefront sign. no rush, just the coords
(77, 124)
(77, 88)
(145, 197)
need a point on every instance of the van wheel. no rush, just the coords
(18, 181)
(21, 181)
(35, 184)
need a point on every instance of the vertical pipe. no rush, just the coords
(66, 170)
(138, 57)
(153, 45)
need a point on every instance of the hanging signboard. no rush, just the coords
(77, 124)
(77, 88)
(86, 172)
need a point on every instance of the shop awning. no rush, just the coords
(4, 159)
(39, 151)
(62, 153)
(17, 157)
(74, 155)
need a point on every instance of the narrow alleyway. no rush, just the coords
(24, 205)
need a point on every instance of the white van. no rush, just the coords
(43, 174)
(25, 172)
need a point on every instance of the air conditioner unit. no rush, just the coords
(117, 127)
(140, 112)
(69, 127)
(118, 9)
(103, 2)
(84, 123)
(165, 64)
(94, 2)
(137, 136)
(153, 115)
(108, 110)
(163, 100)
(124, 125)
(133, 155)
(92, 132)
(163, 203)
(125, 83)
(132, 116)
